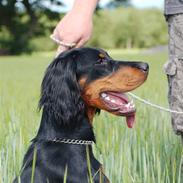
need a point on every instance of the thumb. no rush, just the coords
(80, 43)
(61, 49)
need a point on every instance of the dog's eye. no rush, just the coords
(101, 61)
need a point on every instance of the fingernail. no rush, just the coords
(54, 38)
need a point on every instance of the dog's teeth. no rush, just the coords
(113, 101)
(104, 95)
(127, 105)
(107, 98)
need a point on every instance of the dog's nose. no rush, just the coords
(143, 66)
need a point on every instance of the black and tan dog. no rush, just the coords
(76, 85)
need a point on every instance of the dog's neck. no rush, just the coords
(80, 128)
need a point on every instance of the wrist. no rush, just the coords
(85, 7)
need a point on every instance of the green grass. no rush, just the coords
(148, 153)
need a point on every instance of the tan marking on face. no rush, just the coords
(90, 110)
(124, 80)
(82, 81)
(91, 113)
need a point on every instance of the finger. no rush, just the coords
(63, 43)
(56, 34)
(52, 37)
(59, 36)
(80, 43)
(61, 49)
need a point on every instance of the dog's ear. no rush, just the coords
(60, 91)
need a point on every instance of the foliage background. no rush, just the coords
(26, 26)
(149, 153)
(129, 28)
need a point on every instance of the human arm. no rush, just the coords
(76, 26)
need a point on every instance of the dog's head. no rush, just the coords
(82, 81)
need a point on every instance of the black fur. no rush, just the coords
(64, 116)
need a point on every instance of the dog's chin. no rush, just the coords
(119, 104)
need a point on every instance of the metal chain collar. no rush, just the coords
(73, 141)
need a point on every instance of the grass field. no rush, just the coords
(148, 153)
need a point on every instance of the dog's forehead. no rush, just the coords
(93, 54)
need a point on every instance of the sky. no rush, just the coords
(148, 3)
(136, 3)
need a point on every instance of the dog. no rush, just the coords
(77, 85)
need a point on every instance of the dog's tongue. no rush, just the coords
(130, 120)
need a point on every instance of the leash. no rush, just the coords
(154, 105)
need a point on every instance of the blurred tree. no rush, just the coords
(118, 3)
(23, 19)
(25, 26)
(129, 28)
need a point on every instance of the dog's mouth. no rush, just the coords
(120, 104)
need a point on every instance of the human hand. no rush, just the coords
(74, 29)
